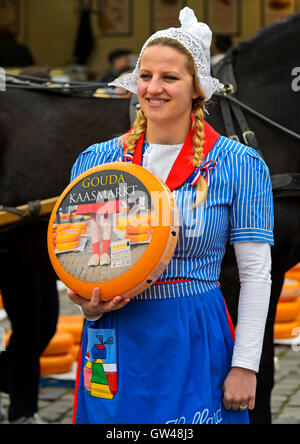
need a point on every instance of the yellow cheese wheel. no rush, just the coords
(64, 217)
(71, 324)
(141, 229)
(141, 220)
(7, 338)
(68, 236)
(61, 343)
(53, 365)
(135, 238)
(62, 227)
(65, 338)
(82, 226)
(67, 245)
(288, 311)
(290, 290)
(286, 330)
(293, 274)
(132, 266)
(75, 351)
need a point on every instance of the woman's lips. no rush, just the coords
(156, 102)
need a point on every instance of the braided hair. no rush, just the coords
(140, 124)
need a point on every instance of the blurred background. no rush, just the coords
(74, 39)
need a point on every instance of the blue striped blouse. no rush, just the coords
(238, 208)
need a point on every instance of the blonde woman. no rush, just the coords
(176, 357)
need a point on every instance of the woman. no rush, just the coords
(174, 344)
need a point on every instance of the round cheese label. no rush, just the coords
(114, 227)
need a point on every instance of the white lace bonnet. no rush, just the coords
(196, 38)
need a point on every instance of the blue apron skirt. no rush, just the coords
(161, 361)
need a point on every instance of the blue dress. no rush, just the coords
(163, 358)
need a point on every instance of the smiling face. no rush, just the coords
(165, 85)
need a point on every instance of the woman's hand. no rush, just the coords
(239, 389)
(95, 307)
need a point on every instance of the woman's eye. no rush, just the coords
(144, 76)
(172, 78)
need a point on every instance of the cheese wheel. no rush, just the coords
(290, 289)
(53, 365)
(82, 226)
(141, 220)
(65, 246)
(59, 355)
(7, 338)
(64, 217)
(286, 330)
(62, 227)
(296, 267)
(71, 324)
(61, 343)
(288, 311)
(135, 238)
(287, 298)
(75, 350)
(141, 229)
(132, 264)
(293, 274)
(67, 236)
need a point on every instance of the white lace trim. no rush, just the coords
(196, 38)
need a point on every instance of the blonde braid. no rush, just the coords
(198, 109)
(139, 128)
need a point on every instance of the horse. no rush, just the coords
(41, 134)
(42, 131)
(263, 68)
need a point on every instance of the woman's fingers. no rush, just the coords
(96, 306)
(115, 304)
(239, 389)
(75, 297)
(95, 299)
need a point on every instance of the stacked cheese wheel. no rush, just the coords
(68, 239)
(139, 229)
(294, 273)
(66, 236)
(287, 321)
(73, 325)
(63, 349)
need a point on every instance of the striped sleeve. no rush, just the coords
(96, 154)
(251, 215)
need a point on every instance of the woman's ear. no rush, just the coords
(195, 93)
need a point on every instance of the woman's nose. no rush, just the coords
(154, 86)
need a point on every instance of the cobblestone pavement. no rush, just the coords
(56, 401)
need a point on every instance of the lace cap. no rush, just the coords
(196, 38)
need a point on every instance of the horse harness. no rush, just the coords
(283, 185)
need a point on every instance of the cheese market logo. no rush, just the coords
(103, 226)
